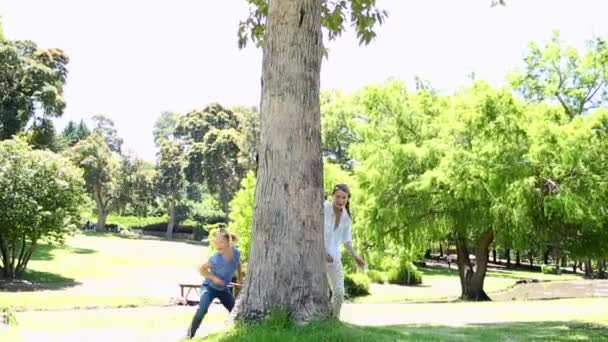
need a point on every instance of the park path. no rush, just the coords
(555, 289)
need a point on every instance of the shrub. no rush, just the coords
(406, 274)
(549, 269)
(356, 284)
(376, 276)
(241, 214)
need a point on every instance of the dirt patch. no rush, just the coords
(554, 289)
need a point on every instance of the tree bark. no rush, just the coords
(517, 258)
(574, 266)
(472, 280)
(588, 268)
(546, 257)
(564, 261)
(171, 224)
(440, 250)
(601, 267)
(287, 267)
(102, 213)
(494, 255)
(7, 268)
(508, 255)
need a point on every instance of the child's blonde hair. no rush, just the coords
(231, 237)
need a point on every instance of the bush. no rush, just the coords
(376, 276)
(40, 196)
(241, 214)
(356, 284)
(131, 222)
(406, 274)
(550, 269)
(348, 262)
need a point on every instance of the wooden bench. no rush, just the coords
(234, 287)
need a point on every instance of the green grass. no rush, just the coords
(590, 325)
(105, 271)
(129, 272)
(488, 321)
(337, 331)
(112, 257)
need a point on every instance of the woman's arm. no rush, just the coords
(349, 247)
(204, 270)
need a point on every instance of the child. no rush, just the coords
(218, 273)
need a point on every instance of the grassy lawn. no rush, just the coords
(440, 283)
(498, 321)
(554, 320)
(107, 271)
(336, 331)
(110, 271)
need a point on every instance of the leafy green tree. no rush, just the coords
(137, 188)
(40, 197)
(212, 150)
(165, 126)
(75, 132)
(171, 179)
(32, 79)
(249, 130)
(578, 82)
(105, 127)
(101, 174)
(338, 121)
(447, 169)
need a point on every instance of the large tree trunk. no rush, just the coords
(171, 224)
(7, 260)
(601, 267)
(287, 268)
(508, 257)
(440, 250)
(517, 258)
(588, 268)
(472, 279)
(546, 256)
(102, 213)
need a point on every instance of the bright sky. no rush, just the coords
(131, 60)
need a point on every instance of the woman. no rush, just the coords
(218, 273)
(338, 228)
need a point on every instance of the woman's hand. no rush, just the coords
(329, 259)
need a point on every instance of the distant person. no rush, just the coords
(338, 229)
(218, 272)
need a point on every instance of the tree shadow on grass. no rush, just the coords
(338, 331)
(37, 281)
(44, 252)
